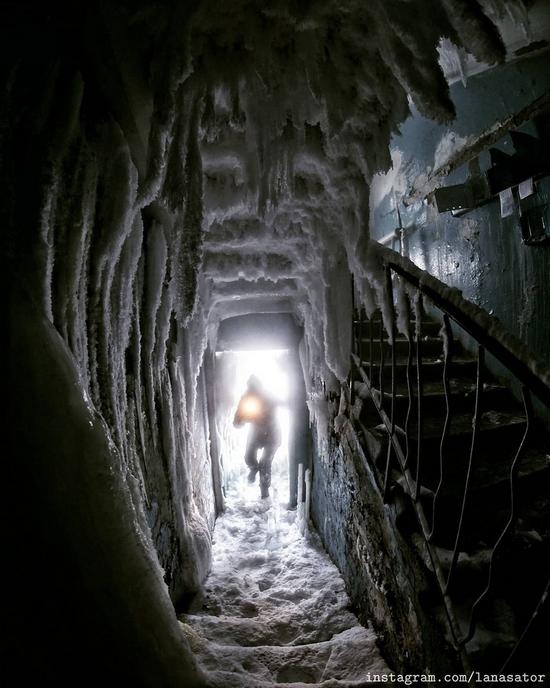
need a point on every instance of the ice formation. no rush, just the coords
(274, 610)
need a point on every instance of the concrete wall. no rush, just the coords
(479, 252)
(386, 579)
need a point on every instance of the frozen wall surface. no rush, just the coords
(166, 166)
(108, 426)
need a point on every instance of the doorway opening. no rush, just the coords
(233, 369)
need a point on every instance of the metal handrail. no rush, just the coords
(473, 321)
(519, 367)
(423, 522)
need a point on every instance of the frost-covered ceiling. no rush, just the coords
(299, 102)
(288, 107)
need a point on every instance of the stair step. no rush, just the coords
(430, 327)
(497, 440)
(274, 608)
(432, 368)
(431, 347)
(315, 664)
(488, 509)
(461, 424)
(462, 399)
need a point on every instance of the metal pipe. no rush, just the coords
(371, 344)
(382, 361)
(389, 238)
(410, 337)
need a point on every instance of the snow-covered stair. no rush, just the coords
(274, 611)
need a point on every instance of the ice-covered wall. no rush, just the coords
(118, 284)
(107, 430)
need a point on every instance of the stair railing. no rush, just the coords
(533, 376)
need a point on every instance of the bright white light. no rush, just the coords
(266, 366)
(270, 368)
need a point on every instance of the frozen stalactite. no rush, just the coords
(475, 30)
(370, 280)
(402, 307)
(156, 258)
(169, 70)
(452, 60)
(338, 316)
(116, 210)
(58, 130)
(409, 54)
(70, 295)
(122, 302)
(190, 255)
(47, 222)
(326, 64)
(174, 185)
(196, 337)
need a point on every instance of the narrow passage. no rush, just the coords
(274, 611)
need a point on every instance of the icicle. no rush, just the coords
(300, 497)
(308, 498)
(477, 33)
(519, 14)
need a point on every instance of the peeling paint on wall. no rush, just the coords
(479, 252)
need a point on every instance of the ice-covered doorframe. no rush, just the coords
(267, 332)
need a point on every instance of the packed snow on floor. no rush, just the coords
(274, 610)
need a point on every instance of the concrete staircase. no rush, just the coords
(521, 566)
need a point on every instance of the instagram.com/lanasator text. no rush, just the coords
(474, 677)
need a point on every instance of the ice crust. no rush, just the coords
(93, 504)
(274, 610)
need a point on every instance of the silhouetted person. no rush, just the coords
(256, 408)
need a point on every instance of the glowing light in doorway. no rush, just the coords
(270, 367)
